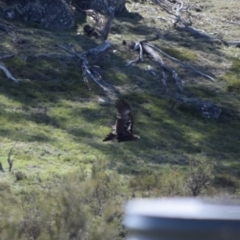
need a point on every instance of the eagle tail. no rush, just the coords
(109, 137)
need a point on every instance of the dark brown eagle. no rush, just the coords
(122, 129)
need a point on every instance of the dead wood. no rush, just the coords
(103, 26)
(102, 23)
(10, 161)
(7, 73)
(94, 53)
(99, 19)
(69, 49)
(50, 55)
(6, 56)
(232, 43)
(145, 46)
(87, 59)
(185, 65)
(148, 49)
(107, 28)
(1, 167)
(174, 9)
(182, 24)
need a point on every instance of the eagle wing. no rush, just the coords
(124, 122)
(122, 126)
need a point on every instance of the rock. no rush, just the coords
(209, 110)
(54, 14)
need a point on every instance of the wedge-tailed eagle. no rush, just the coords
(122, 128)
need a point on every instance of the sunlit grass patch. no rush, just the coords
(116, 77)
(233, 82)
(181, 54)
(232, 77)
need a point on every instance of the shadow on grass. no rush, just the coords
(165, 137)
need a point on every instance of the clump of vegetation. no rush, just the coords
(232, 77)
(145, 182)
(200, 175)
(66, 210)
(20, 176)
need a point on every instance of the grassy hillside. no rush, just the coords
(65, 182)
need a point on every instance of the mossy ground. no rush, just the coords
(59, 124)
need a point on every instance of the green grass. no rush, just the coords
(181, 54)
(232, 77)
(58, 126)
(70, 125)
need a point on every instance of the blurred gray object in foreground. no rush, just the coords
(182, 219)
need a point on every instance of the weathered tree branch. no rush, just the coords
(6, 56)
(7, 73)
(107, 28)
(102, 23)
(10, 161)
(1, 167)
(50, 55)
(91, 55)
(151, 50)
(148, 49)
(182, 24)
(143, 46)
(187, 66)
(232, 43)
